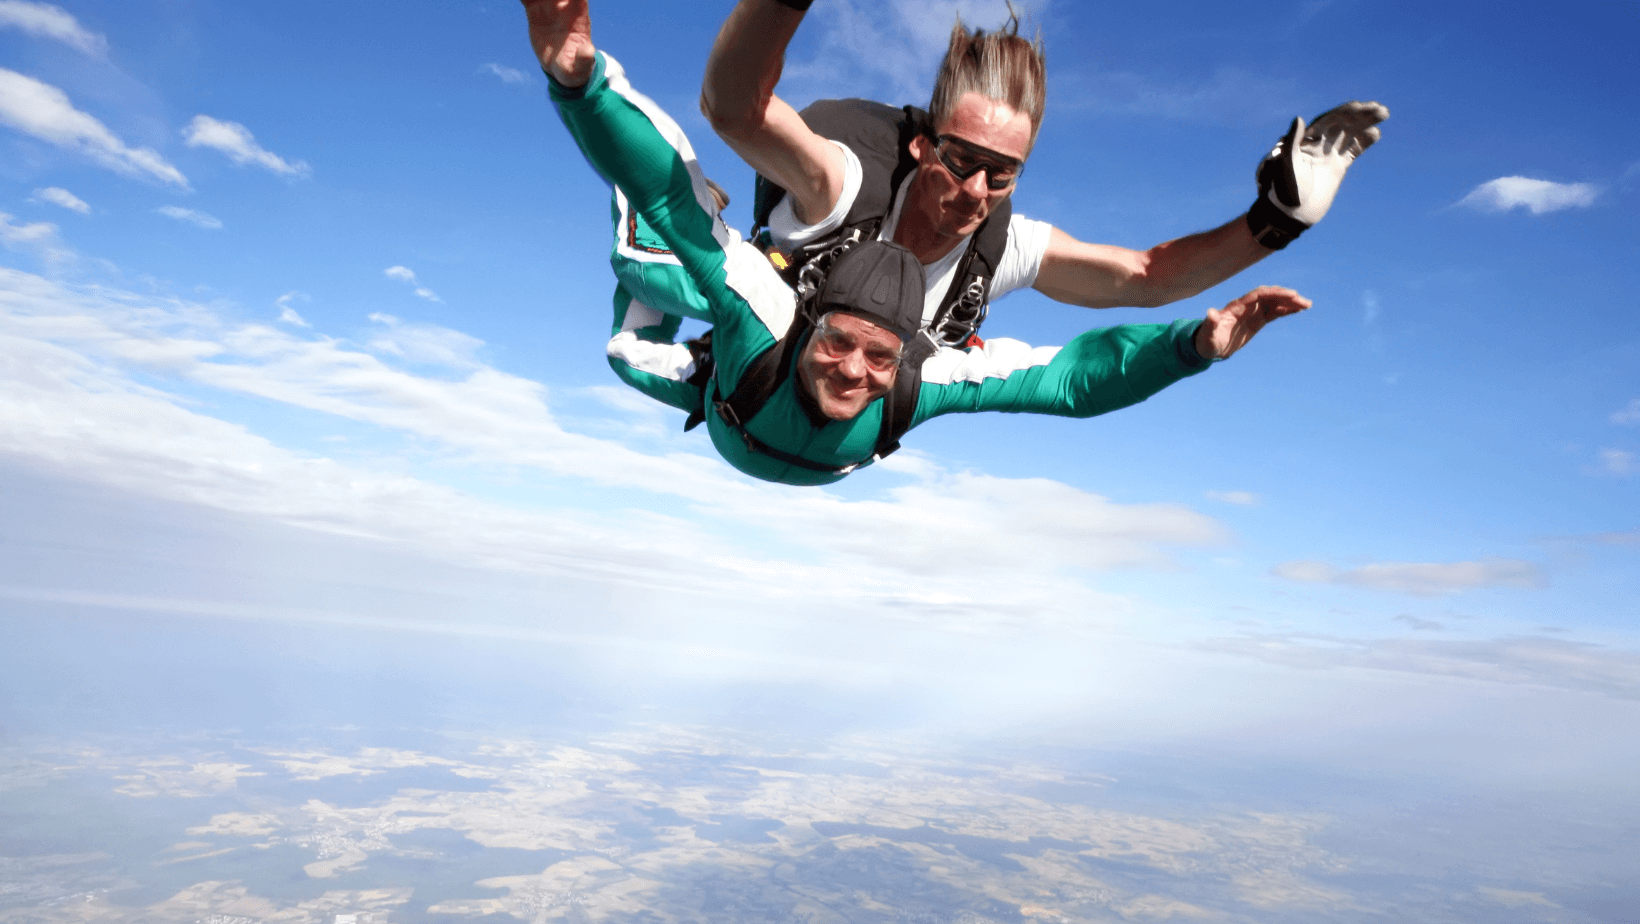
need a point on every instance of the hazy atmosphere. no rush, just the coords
(339, 575)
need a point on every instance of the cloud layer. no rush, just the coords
(1550, 662)
(947, 548)
(1418, 578)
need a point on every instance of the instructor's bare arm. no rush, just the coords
(1107, 276)
(738, 98)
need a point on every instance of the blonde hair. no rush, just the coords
(1000, 66)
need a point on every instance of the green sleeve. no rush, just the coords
(625, 145)
(1098, 372)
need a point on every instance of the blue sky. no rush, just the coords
(330, 273)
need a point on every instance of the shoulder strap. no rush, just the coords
(966, 303)
(761, 377)
(705, 367)
(900, 404)
(773, 366)
(879, 135)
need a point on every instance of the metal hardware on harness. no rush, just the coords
(727, 412)
(965, 315)
(812, 275)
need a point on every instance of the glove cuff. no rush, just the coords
(1272, 227)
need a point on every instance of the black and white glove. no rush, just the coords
(1299, 177)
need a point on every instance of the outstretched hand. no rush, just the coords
(1228, 329)
(1307, 164)
(561, 34)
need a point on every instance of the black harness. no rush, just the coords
(771, 368)
(880, 136)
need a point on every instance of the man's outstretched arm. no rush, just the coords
(1098, 372)
(738, 98)
(1106, 276)
(1297, 181)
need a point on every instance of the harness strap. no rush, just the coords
(774, 365)
(881, 137)
(757, 445)
(762, 376)
(900, 404)
(705, 368)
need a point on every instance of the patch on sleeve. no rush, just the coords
(999, 358)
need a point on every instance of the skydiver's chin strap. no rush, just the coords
(800, 6)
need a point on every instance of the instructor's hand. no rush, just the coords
(561, 34)
(1228, 329)
(1300, 176)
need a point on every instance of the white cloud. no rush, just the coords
(39, 237)
(1536, 196)
(53, 22)
(851, 36)
(33, 233)
(1628, 416)
(239, 144)
(1236, 498)
(425, 343)
(45, 112)
(405, 274)
(1369, 301)
(287, 314)
(59, 196)
(969, 549)
(1417, 578)
(1618, 462)
(506, 74)
(190, 216)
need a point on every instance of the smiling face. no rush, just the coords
(953, 207)
(848, 363)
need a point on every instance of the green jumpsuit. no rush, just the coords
(675, 257)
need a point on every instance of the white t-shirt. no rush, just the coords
(1021, 258)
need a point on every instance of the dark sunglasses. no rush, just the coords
(964, 159)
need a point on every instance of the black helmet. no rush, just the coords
(881, 281)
